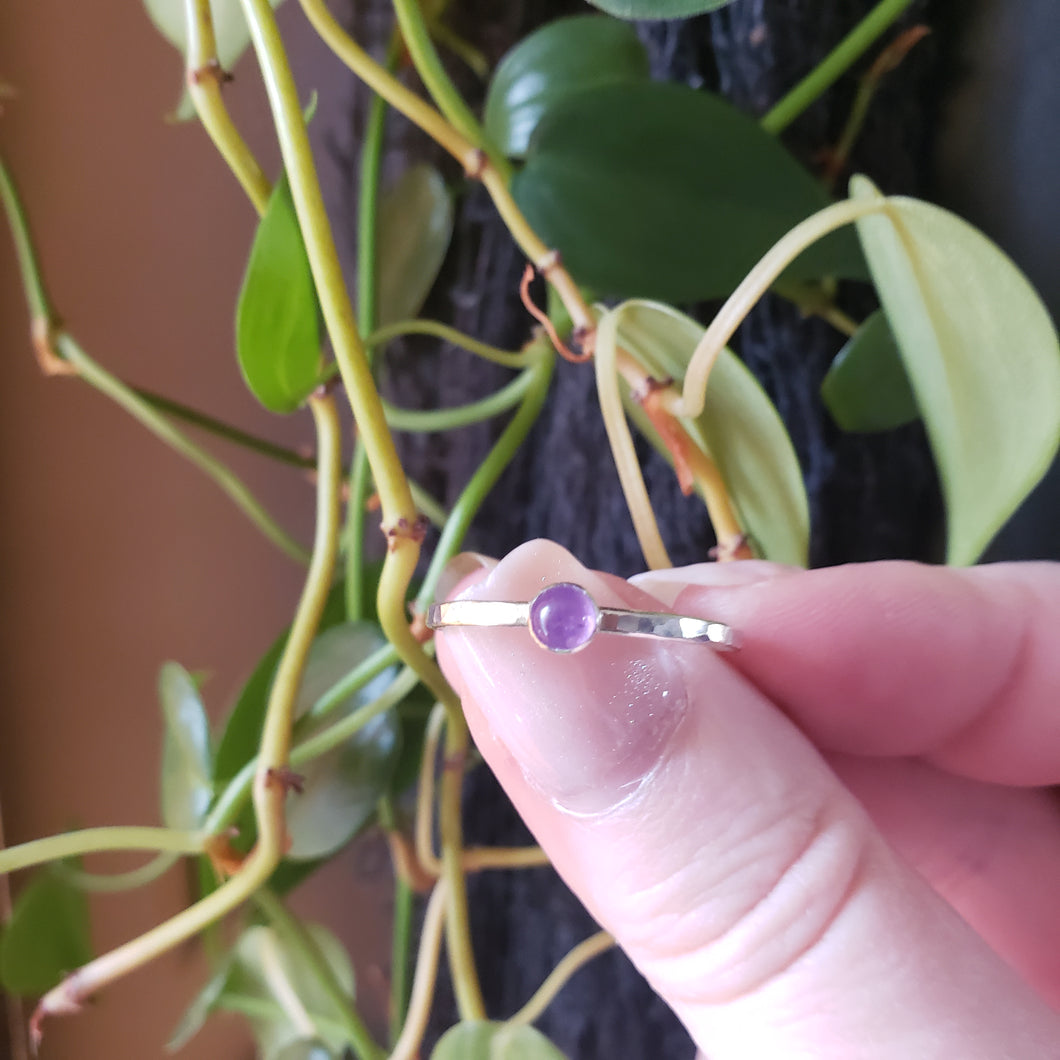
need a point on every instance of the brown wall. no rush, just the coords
(115, 554)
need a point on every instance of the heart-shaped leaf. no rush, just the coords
(660, 9)
(230, 30)
(277, 318)
(739, 428)
(494, 1041)
(342, 787)
(866, 388)
(415, 226)
(560, 59)
(46, 938)
(981, 354)
(187, 769)
(657, 190)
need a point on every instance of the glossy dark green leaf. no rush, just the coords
(494, 1041)
(187, 768)
(46, 938)
(866, 388)
(982, 356)
(562, 58)
(230, 28)
(658, 9)
(415, 226)
(342, 787)
(739, 427)
(657, 190)
(277, 318)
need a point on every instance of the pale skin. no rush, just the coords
(836, 843)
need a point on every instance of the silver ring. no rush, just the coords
(564, 618)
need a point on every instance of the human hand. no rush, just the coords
(833, 843)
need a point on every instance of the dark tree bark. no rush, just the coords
(871, 496)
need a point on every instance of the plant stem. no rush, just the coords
(557, 979)
(99, 840)
(54, 347)
(476, 164)
(355, 680)
(259, 1008)
(142, 411)
(204, 77)
(269, 793)
(179, 411)
(834, 65)
(754, 285)
(367, 282)
(408, 1043)
(500, 456)
(429, 66)
(438, 330)
(112, 883)
(460, 415)
(291, 932)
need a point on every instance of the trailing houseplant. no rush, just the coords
(706, 204)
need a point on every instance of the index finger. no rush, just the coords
(960, 666)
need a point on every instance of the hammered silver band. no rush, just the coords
(594, 619)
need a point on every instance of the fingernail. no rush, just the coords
(667, 585)
(459, 568)
(586, 728)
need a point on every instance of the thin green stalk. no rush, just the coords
(230, 803)
(97, 841)
(461, 415)
(834, 65)
(63, 346)
(113, 883)
(142, 411)
(429, 66)
(488, 472)
(204, 77)
(40, 308)
(269, 793)
(259, 1008)
(367, 283)
(353, 682)
(434, 511)
(179, 411)
(451, 335)
(295, 937)
(401, 955)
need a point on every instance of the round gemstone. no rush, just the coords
(563, 617)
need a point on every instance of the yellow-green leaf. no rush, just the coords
(415, 226)
(494, 1041)
(981, 354)
(187, 767)
(739, 428)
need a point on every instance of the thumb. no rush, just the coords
(708, 835)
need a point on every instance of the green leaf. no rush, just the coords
(341, 788)
(187, 769)
(981, 354)
(264, 967)
(657, 190)
(562, 58)
(415, 226)
(494, 1041)
(866, 388)
(230, 28)
(658, 9)
(46, 938)
(277, 319)
(739, 427)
